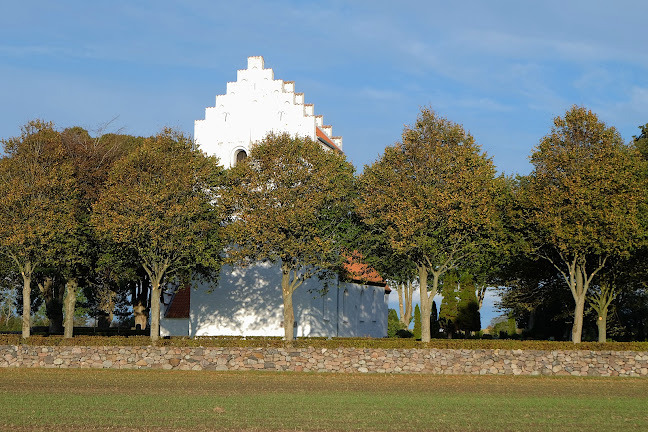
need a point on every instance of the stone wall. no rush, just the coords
(346, 360)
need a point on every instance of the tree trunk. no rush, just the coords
(155, 310)
(481, 294)
(53, 295)
(579, 298)
(26, 315)
(578, 282)
(601, 323)
(600, 302)
(408, 302)
(400, 289)
(69, 304)
(106, 307)
(426, 299)
(405, 292)
(288, 311)
(577, 328)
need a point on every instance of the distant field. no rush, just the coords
(70, 400)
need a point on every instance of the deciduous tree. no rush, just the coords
(435, 196)
(292, 200)
(582, 201)
(161, 202)
(37, 203)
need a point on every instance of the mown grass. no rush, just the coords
(66, 400)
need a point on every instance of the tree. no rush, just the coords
(161, 203)
(393, 323)
(76, 258)
(434, 321)
(37, 203)
(417, 322)
(468, 317)
(395, 268)
(449, 306)
(582, 201)
(8, 294)
(641, 141)
(292, 201)
(600, 301)
(531, 291)
(435, 197)
(405, 292)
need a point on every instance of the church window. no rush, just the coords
(241, 155)
(345, 306)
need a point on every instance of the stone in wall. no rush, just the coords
(341, 360)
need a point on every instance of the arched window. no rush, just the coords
(345, 306)
(240, 156)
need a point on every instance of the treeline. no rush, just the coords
(122, 219)
(109, 219)
(564, 245)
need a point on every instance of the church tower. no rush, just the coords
(253, 106)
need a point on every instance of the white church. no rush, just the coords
(248, 301)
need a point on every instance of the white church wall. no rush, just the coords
(173, 326)
(363, 311)
(248, 302)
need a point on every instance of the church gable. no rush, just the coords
(254, 105)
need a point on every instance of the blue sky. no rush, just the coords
(503, 69)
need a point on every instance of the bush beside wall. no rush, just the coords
(277, 342)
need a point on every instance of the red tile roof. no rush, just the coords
(180, 302)
(358, 271)
(324, 138)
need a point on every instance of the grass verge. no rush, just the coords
(66, 400)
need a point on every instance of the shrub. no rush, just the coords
(404, 333)
(417, 322)
(393, 323)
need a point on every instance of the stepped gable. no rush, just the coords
(254, 105)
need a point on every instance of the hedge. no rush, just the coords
(276, 342)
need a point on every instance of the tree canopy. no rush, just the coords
(38, 196)
(161, 202)
(292, 201)
(434, 196)
(582, 201)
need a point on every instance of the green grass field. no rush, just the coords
(114, 400)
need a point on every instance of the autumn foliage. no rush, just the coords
(582, 202)
(434, 196)
(291, 199)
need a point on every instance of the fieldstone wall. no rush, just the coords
(346, 360)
